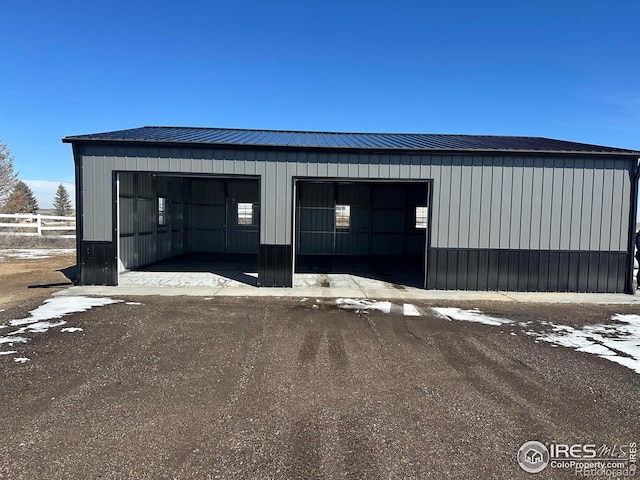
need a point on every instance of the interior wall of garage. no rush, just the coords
(212, 216)
(201, 217)
(141, 239)
(382, 218)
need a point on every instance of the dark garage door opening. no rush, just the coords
(374, 230)
(191, 224)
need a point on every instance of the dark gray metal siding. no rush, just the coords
(494, 202)
(481, 203)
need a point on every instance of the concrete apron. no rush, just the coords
(311, 285)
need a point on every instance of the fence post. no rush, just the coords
(39, 224)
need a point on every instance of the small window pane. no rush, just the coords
(343, 216)
(162, 211)
(245, 214)
(421, 217)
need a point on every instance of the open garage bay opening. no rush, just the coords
(369, 230)
(205, 228)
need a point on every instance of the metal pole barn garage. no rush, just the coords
(431, 210)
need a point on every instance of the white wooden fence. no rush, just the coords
(38, 224)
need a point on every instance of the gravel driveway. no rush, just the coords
(190, 388)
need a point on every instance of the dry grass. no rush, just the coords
(20, 241)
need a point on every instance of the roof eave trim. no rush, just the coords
(239, 146)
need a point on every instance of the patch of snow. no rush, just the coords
(133, 303)
(631, 319)
(12, 340)
(618, 341)
(53, 308)
(409, 310)
(596, 349)
(60, 306)
(8, 352)
(571, 339)
(631, 363)
(38, 327)
(21, 360)
(71, 329)
(474, 315)
(304, 299)
(350, 303)
(27, 253)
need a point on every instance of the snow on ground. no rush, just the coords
(618, 341)
(37, 327)
(8, 352)
(361, 304)
(474, 315)
(12, 340)
(71, 329)
(409, 310)
(364, 305)
(29, 253)
(21, 360)
(54, 308)
(60, 306)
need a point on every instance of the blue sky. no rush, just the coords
(564, 69)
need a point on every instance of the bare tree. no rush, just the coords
(8, 176)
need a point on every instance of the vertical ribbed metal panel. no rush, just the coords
(454, 190)
(517, 193)
(483, 206)
(620, 197)
(382, 218)
(242, 238)
(465, 220)
(355, 239)
(388, 219)
(528, 204)
(208, 210)
(617, 180)
(504, 207)
(494, 201)
(442, 194)
(607, 237)
(555, 206)
(316, 218)
(539, 205)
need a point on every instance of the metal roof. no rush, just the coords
(342, 140)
